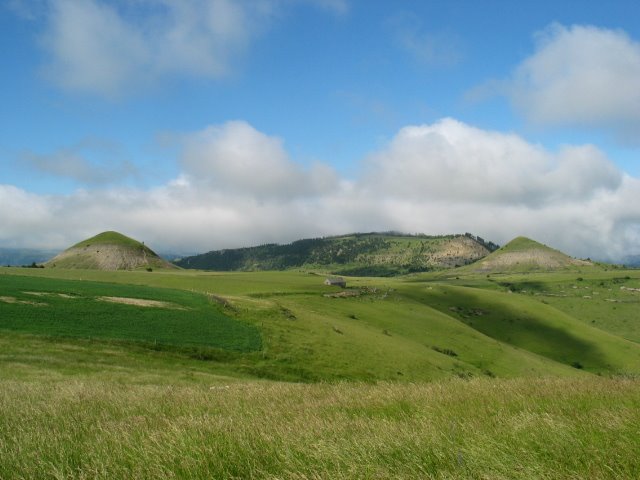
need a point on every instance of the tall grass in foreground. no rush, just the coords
(544, 428)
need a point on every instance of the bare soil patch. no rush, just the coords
(140, 302)
(23, 302)
(45, 294)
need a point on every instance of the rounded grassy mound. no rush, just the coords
(108, 251)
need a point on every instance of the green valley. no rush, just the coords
(465, 372)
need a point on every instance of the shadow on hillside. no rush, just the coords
(546, 332)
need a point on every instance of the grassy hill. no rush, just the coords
(525, 255)
(525, 322)
(108, 251)
(370, 254)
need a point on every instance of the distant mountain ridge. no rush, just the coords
(108, 251)
(359, 254)
(631, 261)
(18, 257)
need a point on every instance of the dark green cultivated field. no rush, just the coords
(73, 308)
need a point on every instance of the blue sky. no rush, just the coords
(205, 124)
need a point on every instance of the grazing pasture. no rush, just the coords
(170, 374)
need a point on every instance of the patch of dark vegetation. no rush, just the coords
(221, 301)
(209, 354)
(620, 279)
(196, 352)
(33, 265)
(445, 351)
(282, 373)
(577, 365)
(288, 314)
(464, 374)
(492, 247)
(468, 312)
(522, 287)
(376, 271)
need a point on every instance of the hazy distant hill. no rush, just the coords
(24, 256)
(631, 260)
(363, 254)
(108, 251)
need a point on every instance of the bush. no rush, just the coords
(445, 351)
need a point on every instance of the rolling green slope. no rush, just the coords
(529, 324)
(401, 329)
(607, 298)
(388, 336)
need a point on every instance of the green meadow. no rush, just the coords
(72, 308)
(188, 374)
(478, 428)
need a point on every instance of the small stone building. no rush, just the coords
(336, 282)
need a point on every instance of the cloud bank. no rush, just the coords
(240, 187)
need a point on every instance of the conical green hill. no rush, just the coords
(524, 255)
(108, 251)
(109, 238)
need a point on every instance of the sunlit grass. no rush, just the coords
(544, 428)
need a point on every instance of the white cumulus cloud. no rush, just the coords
(235, 158)
(580, 75)
(452, 161)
